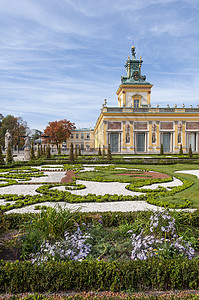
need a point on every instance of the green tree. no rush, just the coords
(190, 151)
(109, 155)
(41, 151)
(59, 131)
(103, 153)
(75, 155)
(17, 128)
(9, 157)
(38, 152)
(32, 152)
(71, 154)
(99, 151)
(48, 154)
(161, 150)
(181, 151)
(59, 150)
(2, 162)
(79, 152)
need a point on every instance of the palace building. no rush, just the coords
(135, 127)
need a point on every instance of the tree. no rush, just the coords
(2, 162)
(75, 155)
(32, 152)
(99, 151)
(103, 153)
(38, 152)
(71, 155)
(9, 157)
(109, 155)
(79, 152)
(41, 151)
(59, 150)
(59, 131)
(48, 154)
(17, 128)
(181, 151)
(190, 152)
(161, 149)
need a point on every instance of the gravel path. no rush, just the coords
(101, 188)
(191, 172)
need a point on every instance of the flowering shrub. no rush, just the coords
(72, 247)
(162, 240)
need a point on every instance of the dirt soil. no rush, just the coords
(145, 175)
(69, 177)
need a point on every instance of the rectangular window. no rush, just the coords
(82, 136)
(77, 136)
(88, 136)
(72, 136)
(136, 103)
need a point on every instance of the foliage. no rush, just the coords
(38, 152)
(59, 150)
(75, 155)
(161, 150)
(16, 126)
(190, 152)
(48, 154)
(109, 155)
(32, 151)
(174, 274)
(2, 162)
(72, 247)
(162, 241)
(71, 155)
(79, 151)
(49, 225)
(59, 131)
(9, 157)
(99, 151)
(103, 153)
(181, 150)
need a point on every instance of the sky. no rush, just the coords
(59, 59)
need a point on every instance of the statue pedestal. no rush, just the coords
(27, 154)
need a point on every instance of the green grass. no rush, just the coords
(191, 193)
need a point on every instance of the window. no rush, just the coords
(88, 136)
(72, 136)
(136, 103)
(77, 136)
(82, 136)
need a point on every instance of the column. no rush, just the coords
(150, 137)
(105, 134)
(158, 135)
(183, 136)
(175, 137)
(123, 135)
(131, 136)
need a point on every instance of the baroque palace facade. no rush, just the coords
(136, 127)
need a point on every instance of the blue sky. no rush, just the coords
(61, 58)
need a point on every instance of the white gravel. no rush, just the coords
(101, 188)
(51, 177)
(175, 182)
(191, 172)
(20, 189)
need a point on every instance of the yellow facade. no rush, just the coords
(83, 138)
(136, 127)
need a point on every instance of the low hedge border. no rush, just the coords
(154, 274)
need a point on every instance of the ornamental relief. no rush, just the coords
(140, 125)
(192, 125)
(166, 125)
(114, 125)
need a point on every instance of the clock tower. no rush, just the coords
(134, 90)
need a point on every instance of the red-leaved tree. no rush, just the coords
(59, 131)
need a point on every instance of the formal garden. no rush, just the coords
(117, 228)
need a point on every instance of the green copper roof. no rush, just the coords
(133, 70)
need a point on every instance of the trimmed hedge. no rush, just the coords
(22, 277)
